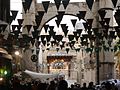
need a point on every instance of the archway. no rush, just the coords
(62, 46)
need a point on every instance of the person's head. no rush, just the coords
(84, 84)
(52, 82)
(61, 78)
(72, 86)
(91, 84)
(115, 81)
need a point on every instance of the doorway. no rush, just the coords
(59, 64)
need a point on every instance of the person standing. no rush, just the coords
(84, 87)
(51, 86)
(62, 84)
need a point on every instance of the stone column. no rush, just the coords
(105, 58)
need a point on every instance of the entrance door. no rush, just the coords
(60, 65)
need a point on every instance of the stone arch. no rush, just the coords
(72, 9)
(54, 17)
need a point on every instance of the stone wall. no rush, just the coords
(74, 8)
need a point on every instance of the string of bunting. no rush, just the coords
(84, 40)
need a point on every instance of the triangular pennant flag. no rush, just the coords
(102, 23)
(65, 32)
(105, 33)
(74, 22)
(85, 25)
(44, 43)
(90, 3)
(60, 15)
(85, 36)
(16, 34)
(77, 49)
(102, 13)
(52, 43)
(75, 33)
(58, 22)
(42, 37)
(38, 42)
(38, 37)
(57, 3)
(35, 34)
(51, 27)
(76, 37)
(58, 37)
(67, 50)
(81, 15)
(45, 5)
(26, 5)
(89, 49)
(112, 50)
(28, 27)
(95, 30)
(112, 34)
(107, 20)
(48, 44)
(46, 27)
(117, 18)
(84, 43)
(71, 44)
(70, 37)
(89, 33)
(38, 21)
(61, 46)
(20, 21)
(32, 41)
(19, 27)
(79, 31)
(114, 2)
(14, 14)
(106, 27)
(64, 28)
(90, 21)
(57, 49)
(51, 32)
(14, 27)
(38, 18)
(35, 28)
(82, 38)
(48, 37)
(65, 3)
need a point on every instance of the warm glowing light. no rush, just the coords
(62, 60)
(1, 71)
(17, 53)
(1, 79)
(5, 72)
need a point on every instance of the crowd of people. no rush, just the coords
(56, 84)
